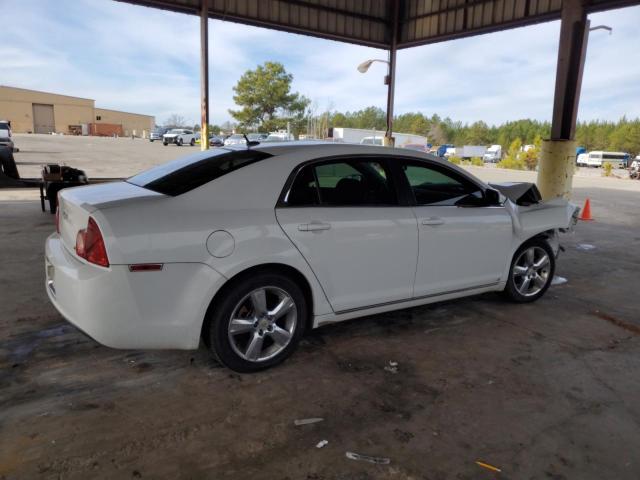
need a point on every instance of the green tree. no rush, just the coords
(514, 156)
(478, 134)
(266, 99)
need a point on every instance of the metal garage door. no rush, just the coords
(43, 118)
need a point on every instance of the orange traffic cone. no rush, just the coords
(586, 211)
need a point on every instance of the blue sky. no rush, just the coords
(146, 61)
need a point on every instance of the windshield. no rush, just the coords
(175, 130)
(190, 172)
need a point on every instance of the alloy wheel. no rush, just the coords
(531, 271)
(262, 324)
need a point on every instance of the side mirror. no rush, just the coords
(492, 197)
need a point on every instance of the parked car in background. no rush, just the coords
(6, 139)
(617, 159)
(373, 140)
(216, 141)
(157, 134)
(179, 136)
(235, 139)
(493, 154)
(257, 137)
(281, 136)
(327, 232)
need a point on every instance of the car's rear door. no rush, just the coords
(343, 215)
(461, 247)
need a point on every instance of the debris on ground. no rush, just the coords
(558, 280)
(368, 458)
(392, 367)
(307, 421)
(322, 443)
(488, 466)
(585, 247)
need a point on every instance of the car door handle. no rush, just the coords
(433, 221)
(313, 226)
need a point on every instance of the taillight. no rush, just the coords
(90, 244)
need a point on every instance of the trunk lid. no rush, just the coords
(77, 204)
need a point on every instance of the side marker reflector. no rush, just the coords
(145, 267)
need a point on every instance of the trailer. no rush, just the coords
(372, 137)
(470, 151)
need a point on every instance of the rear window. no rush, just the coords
(187, 173)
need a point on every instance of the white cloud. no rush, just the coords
(145, 60)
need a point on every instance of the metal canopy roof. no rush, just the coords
(371, 22)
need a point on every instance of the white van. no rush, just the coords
(617, 159)
(582, 160)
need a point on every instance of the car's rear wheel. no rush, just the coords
(257, 322)
(531, 271)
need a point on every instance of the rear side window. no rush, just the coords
(185, 174)
(342, 183)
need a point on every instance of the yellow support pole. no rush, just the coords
(204, 75)
(556, 168)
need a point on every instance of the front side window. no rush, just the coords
(436, 186)
(342, 183)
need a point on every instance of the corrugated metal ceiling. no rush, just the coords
(370, 22)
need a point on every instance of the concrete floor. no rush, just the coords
(546, 390)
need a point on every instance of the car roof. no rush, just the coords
(310, 149)
(284, 148)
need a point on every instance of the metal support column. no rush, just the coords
(391, 78)
(204, 75)
(557, 162)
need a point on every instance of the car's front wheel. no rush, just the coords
(165, 143)
(192, 142)
(257, 322)
(531, 271)
(179, 142)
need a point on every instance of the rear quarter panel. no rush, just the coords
(176, 229)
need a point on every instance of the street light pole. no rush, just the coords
(391, 78)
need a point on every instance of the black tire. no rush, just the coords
(179, 142)
(151, 141)
(165, 143)
(512, 290)
(216, 331)
(192, 142)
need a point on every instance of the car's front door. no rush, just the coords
(464, 242)
(344, 218)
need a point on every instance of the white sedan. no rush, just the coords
(246, 248)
